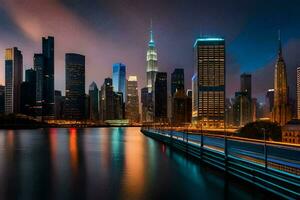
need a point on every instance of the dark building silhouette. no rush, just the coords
(119, 78)
(94, 101)
(13, 80)
(107, 100)
(118, 105)
(38, 62)
(161, 97)
(44, 67)
(48, 78)
(269, 102)
(28, 93)
(247, 110)
(2, 99)
(144, 101)
(182, 108)
(246, 84)
(87, 106)
(75, 86)
(189, 93)
(241, 109)
(59, 104)
(209, 82)
(177, 80)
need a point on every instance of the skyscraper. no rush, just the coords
(107, 100)
(13, 80)
(75, 86)
(59, 104)
(2, 99)
(298, 92)
(48, 77)
(209, 82)
(151, 62)
(144, 100)
(161, 97)
(177, 80)
(38, 62)
(246, 85)
(281, 110)
(132, 100)
(245, 95)
(269, 100)
(119, 78)
(28, 93)
(94, 101)
(181, 107)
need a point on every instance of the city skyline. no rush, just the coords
(246, 46)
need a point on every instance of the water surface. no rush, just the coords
(106, 163)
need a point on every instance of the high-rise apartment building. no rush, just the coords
(209, 82)
(298, 92)
(132, 100)
(13, 80)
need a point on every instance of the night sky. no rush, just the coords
(112, 31)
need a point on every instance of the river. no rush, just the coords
(106, 163)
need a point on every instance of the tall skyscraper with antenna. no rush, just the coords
(151, 62)
(281, 110)
(151, 70)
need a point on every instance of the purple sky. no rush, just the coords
(112, 31)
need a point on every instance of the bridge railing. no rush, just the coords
(280, 157)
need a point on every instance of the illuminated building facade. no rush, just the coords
(151, 70)
(209, 82)
(119, 78)
(132, 100)
(298, 92)
(281, 111)
(75, 86)
(151, 63)
(13, 80)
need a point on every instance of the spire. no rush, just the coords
(151, 42)
(279, 44)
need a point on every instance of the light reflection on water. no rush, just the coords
(105, 163)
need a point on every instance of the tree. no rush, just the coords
(255, 130)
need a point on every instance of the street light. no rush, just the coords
(265, 148)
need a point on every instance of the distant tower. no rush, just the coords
(298, 92)
(13, 80)
(281, 110)
(119, 78)
(94, 101)
(151, 62)
(177, 80)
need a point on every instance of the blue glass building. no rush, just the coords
(119, 79)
